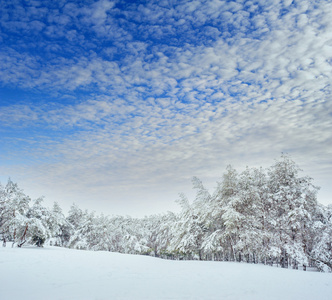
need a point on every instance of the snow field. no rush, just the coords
(59, 273)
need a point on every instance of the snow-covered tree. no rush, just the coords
(79, 222)
(189, 231)
(39, 223)
(14, 207)
(165, 235)
(223, 233)
(60, 226)
(322, 238)
(293, 205)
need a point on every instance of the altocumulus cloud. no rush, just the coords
(116, 105)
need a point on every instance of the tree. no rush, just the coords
(322, 238)
(77, 218)
(293, 205)
(39, 222)
(14, 207)
(189, 231)
(60, 227)
(225, 235)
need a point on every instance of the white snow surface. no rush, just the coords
(59, 273)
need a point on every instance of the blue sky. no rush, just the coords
(115, 105)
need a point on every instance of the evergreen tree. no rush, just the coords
(293, 204)
(322, 238)
(14, 207)
(40, 223)
(60, 227)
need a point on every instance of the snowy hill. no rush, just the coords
(59, 273)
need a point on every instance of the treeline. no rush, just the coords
(268, 216)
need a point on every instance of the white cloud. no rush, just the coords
(160, 113)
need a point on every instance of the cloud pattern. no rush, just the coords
(122, 102)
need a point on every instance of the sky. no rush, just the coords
(116, 105)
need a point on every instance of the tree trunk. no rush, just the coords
(283, 259)
(23, 237)
(14, 237)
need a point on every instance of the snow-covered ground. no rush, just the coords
(58, 273)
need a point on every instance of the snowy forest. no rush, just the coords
(268, 216)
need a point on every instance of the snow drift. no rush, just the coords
(60, 273)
